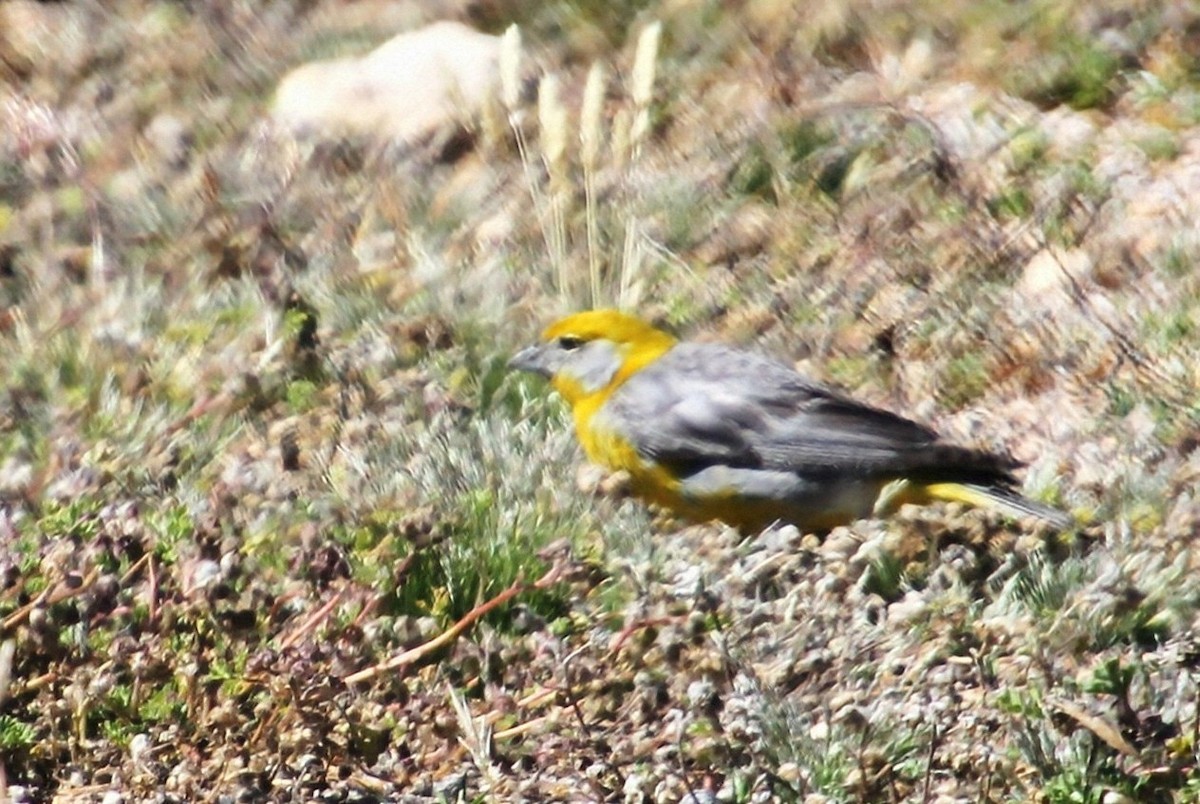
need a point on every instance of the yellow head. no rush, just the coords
(593, 352)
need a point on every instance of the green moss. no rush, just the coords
(1160, 147)
(1013, 202)
(1078, 72)
(1179, 262)
(965, 378)
(165, 704)
(302, 395)
(173, 525)
(78, 519)
(754, 175)
(885, 577)
(1028, 150)
(15, 735)
(850, 371)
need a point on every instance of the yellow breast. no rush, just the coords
(613, 451)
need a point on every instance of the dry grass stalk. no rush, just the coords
(552, 123)
(642, 84)
(476, 736)
(590, 138)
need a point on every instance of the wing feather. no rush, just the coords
(705, 405)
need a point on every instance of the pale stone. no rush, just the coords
(34, 36)
(1068, 132)
(170, 139)
(409, 87)
(1054, 271)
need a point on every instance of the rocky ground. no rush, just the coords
(276, 523)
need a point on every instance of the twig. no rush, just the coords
(933, 743)
(201, 408)
(145, 562)
(520, 729)
(538, 697)
(135, 568)
(619, 640)
(455, 631)
(445, 638)
(367, 608)
(280, 602)
(152, 592)
(52, 595)
(268, 722)
(36, 683)
(312, 621)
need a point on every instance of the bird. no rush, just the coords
(713, 432)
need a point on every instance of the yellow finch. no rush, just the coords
(713, 432)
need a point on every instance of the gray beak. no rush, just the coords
(531, 359)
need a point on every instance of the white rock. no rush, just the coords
(407, 88)
(204, 574)
(139, 744)
(170, 138)
(907, 609)
(38, 35)
(1070, 133)
(1054, 271)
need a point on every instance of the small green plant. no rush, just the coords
(301, 395)
(172, 525)
(967, 377)
(1179, 261)
(1025, 702)
(1079, 72)
(489, 512)
(164, 704)
(117, 732)
(1111, 678)
(1072, 786)
(1159, 147)
(75, 519)
(15, 735)
(885, 577)
(1044, 585)
(754, 175)
(1012, 203)
(1027, 150)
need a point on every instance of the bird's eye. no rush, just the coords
(569, 342)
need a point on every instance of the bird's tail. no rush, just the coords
(999, 498)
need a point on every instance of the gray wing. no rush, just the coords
(703, 405)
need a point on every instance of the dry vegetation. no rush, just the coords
(275, 523)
